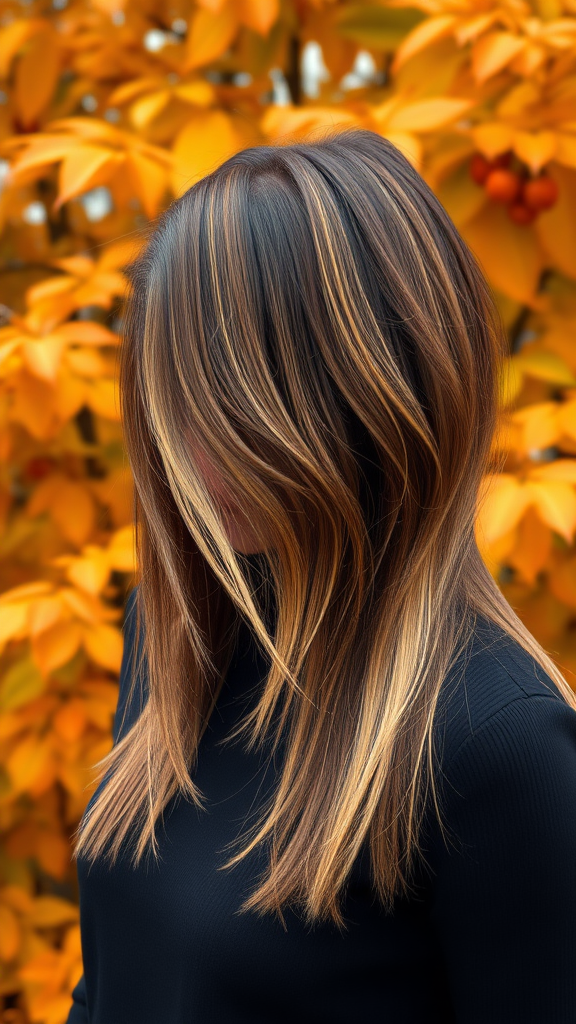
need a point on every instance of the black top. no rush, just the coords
(490, 939)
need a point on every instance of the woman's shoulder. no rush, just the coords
(495, 686)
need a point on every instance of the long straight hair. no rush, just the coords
(308, 318)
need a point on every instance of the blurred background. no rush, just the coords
(110, 109)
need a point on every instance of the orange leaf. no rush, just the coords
(9, 933)
(150, 181)
(210, 35)
(555, 502)
(535, 148)
(44, 613)
(85, 332)
(493, 52)
(427, 115)
(148, 107)
(84, 168)
(102, 397)
(53, 853)
(503, 504)
(205, 142)
(50, 911)
(73, 511)
(555, 227)
(43, 357)
(259, 15)
(34, 91)
(104, 645)
(424, 34)
(28, 761)
(56, 646)
(70, 720)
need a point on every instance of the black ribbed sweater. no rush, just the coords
(490, 937)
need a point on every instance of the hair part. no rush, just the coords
(310, 317)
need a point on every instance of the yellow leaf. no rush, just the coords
(409, 145)
(136, 87)
(43, 357)
(34, 406)
(559, 469)
(102, 397)
(427, 115)
(21, 684)
(511, 381)
(198, 92)
(50, 911)
(209, 36)
(44, 613)
(509, 253)
(540, 424)
(13, 622)
(85, 332)
(473, 27)
(28, 590)
(425, 34)
(148, 107)
(566, 149)
(10, 934)
(56, 646)
(29, 761)
(73, 511)
(121, 550)
(555, 227)
(44, 150)
(494, 51)
(535, 149)
(533, 549)
(104, 645)
(492, 138)
(84, 168)
(205, 142)
(86, 362)
(16, 898)
(545, 366)
(296, 122)
(90, 572)
(503, 503)
(461, 197)
(555, 502)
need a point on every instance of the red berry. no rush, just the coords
(540, 193)
(479, 168)
(502, 185)
(521, 214)
(39, 467)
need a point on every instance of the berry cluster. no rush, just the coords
(525, 196)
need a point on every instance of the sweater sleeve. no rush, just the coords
(126, 713)
(504, 890)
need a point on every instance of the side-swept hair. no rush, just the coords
(309, 318)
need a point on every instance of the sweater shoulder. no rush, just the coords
(491, 672)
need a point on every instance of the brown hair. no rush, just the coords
(310, 316)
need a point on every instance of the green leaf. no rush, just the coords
(22, 683)
(378, 28)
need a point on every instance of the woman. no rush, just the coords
(362, 763)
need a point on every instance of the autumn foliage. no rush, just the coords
(109, 109)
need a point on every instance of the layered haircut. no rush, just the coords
(309, 319)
